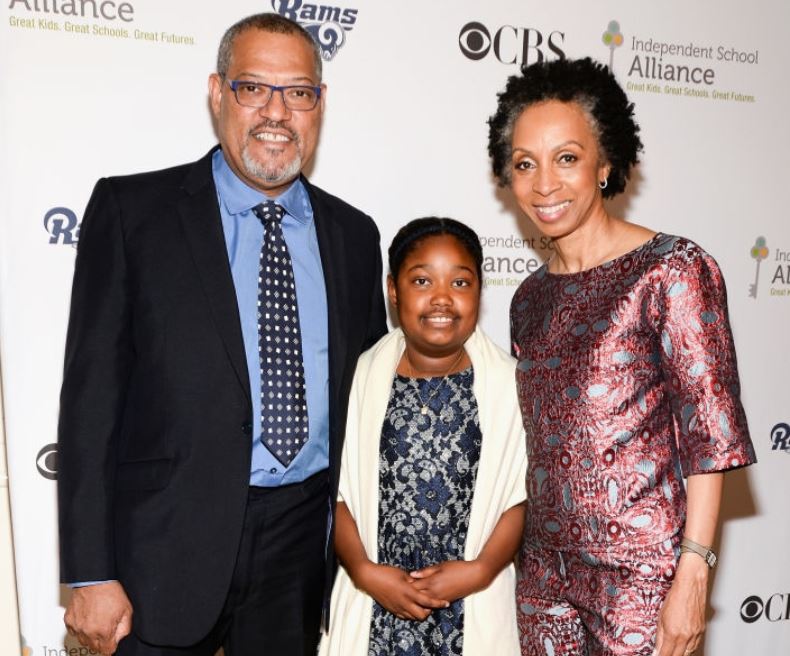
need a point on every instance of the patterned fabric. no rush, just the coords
(427, 469)
(284, 426)
(593, 604)
(626, 375)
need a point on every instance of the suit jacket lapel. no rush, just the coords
(331, 245)
(202, 224)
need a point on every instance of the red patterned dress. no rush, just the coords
(628, 381)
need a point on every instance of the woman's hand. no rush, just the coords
(452, 579)
(681, 621)
(394, 589)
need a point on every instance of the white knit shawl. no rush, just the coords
(489, 615)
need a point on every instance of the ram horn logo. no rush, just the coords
(330, 37)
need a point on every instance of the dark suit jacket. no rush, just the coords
(154, 433)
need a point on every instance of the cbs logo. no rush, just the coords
(510, 45)
(774, 609)
(47, 462)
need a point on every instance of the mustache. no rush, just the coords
(274, 125)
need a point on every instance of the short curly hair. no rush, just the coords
(585, 82)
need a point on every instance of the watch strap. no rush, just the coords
(707, 554)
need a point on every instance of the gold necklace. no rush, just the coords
(434, 390)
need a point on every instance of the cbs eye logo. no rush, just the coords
(474, 40)
(775, 608)
(751, 609)
(47, 462)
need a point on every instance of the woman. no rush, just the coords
(627, 381)
(430, 514)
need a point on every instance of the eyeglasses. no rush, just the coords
(297, 97)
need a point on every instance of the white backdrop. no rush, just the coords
(404, 135)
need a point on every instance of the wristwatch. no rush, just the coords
(708, 555)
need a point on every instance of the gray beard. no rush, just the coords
(270, 174)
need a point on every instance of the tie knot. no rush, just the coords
(269, 211)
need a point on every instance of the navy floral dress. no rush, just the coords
(427, 469)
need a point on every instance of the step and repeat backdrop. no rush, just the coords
(91, 88)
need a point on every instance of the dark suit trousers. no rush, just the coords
(273, 607)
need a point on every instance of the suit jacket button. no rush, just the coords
(246, 428)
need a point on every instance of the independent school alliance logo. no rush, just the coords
(110, 19)
(759, 252)
(327, 24)
(613, 39)
(681, 67)
(780, 278)
(509, 259)
(62, 225)
(780, 438)
(105, 10)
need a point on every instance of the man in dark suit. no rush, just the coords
(211, 345)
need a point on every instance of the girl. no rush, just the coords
(430, 510)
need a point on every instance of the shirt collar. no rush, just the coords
(238, 197)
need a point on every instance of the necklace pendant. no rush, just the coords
(424, 410)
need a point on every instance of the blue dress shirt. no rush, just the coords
(244, 235)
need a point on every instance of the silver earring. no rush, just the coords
(604, 184)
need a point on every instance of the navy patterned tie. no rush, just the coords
(283, 403)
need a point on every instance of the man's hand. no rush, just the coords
(394, 590)
(100, 616)
(452, 579)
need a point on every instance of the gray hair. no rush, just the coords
(266, 22)
(504, 139)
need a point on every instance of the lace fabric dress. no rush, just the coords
(427, 469)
